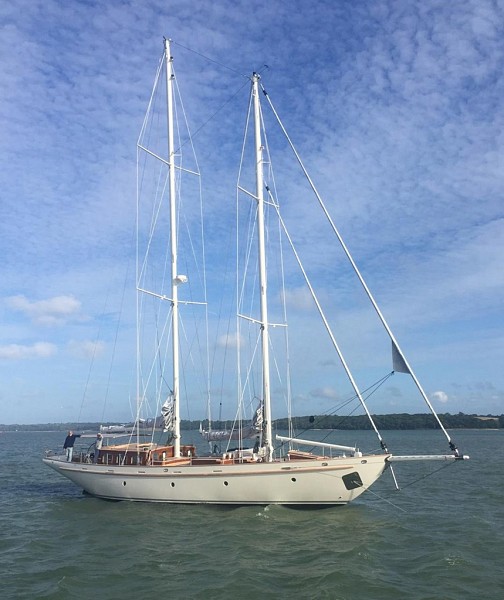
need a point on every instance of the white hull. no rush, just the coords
(299, 483)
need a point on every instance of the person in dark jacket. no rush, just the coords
(69, 444)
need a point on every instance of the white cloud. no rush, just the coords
(439, 396)
(54, 311)
(299, 298)
(20, 352)
(231, 340)
(86, 349)
(324, 392)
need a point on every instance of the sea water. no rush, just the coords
(440, 537)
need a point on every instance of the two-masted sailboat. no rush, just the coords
(278, 469)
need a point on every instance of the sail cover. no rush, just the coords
(258, 419)
(167, 412)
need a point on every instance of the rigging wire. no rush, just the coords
(230, 98)
(415, 481)
(116, 336)
(157, 373)
(201, 270)
(93, 356)
(395, 346)
(329, 331)
(210, 59)
(371, 389)
(282, 275)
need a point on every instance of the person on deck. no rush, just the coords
(69, 444)
(98, 447)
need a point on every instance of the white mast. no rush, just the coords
(173, 238)
(263, 283)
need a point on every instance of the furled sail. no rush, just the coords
(167, 413)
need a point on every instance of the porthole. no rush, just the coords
(172, 484)
(293, 479)
(226, 483)
(124, 483)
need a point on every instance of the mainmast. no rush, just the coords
(263, 283)
(173, 238)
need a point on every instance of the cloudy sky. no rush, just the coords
(396, 107)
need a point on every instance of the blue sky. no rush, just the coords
(396, 108)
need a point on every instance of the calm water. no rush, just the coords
(441, 538)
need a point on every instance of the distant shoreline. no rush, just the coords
(397, 421)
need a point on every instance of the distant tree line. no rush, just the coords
(398, 421)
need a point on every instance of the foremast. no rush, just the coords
(173, 242)
(263, 279)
